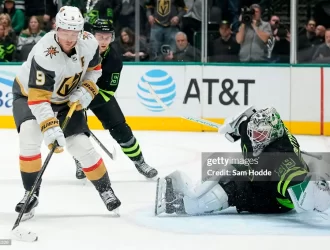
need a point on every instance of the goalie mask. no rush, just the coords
(264, 127)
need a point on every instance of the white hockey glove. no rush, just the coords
(231, 125)
(52, 132)
(84, 94)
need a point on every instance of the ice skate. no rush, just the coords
(167, 201)
(145, 169)
(79, 171)
(111, 201)
(29, 212)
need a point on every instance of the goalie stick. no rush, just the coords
(205, 122)
(20, 233)
(190, 118)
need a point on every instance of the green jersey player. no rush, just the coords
(264, 137)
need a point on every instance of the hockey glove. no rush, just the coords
(84, 95)
(313, 194)
(231, 125)
(52, 132)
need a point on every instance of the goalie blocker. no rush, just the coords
(261, 131)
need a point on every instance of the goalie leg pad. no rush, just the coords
(205, 198)
(213, 200)
(181, 182)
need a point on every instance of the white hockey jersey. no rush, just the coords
(51, 75)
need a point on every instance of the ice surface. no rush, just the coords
(72, 216)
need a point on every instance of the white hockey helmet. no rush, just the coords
(69, 18)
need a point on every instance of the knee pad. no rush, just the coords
(122, 133)
(215, 199)
(30, 138)
(82, 149)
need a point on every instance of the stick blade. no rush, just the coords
(20, 234)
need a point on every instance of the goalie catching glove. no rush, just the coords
(84, 95)
(52, 132)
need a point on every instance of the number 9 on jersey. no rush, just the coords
(40, 78)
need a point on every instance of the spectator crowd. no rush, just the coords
(171, 30)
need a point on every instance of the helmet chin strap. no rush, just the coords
(56, 35)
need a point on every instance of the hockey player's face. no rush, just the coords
(67, 38)
(104, 40)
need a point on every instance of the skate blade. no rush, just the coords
(160, 197)
(156, 198)
(20, 234)
(83, 181)
(115, 212)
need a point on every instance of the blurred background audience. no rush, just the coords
(125, 46)
(249, 31)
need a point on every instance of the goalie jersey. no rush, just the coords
(51, 75)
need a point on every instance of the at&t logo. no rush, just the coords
(162, 84)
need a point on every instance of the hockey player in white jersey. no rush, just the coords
(268, 145)
(62, 68)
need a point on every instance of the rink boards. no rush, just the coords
(213, 92)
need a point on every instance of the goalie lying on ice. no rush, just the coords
(264, 136)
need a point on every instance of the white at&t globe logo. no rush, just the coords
(162, 84)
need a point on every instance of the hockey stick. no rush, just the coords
(205, 122)
(190, 118)
(319, 157)
(111, 155)
(26, 235)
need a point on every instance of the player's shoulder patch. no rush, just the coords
(47, 47)
(86, 35)
(51, 51)
(47, 52)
